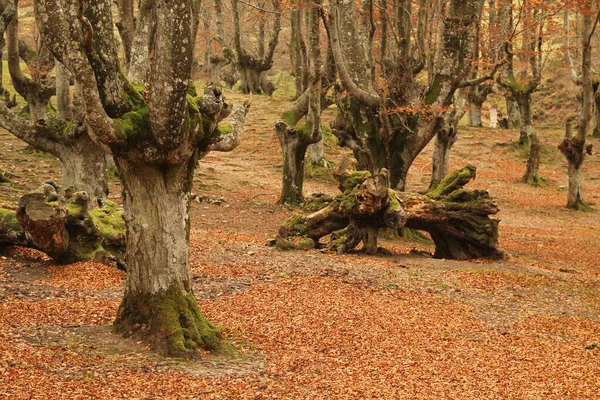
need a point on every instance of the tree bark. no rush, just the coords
(68, 226)
(526, 124)
(159, 302)
(532, 176)
(457, 220)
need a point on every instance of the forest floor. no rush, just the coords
(309, 325)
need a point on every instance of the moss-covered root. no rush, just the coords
(453, 181)
(169, 321)
(535, 180)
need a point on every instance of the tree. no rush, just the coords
(156, 135)
(386, 115)
(253, 67)
(533, 19)
(61, 132)
(294, 139)
(574, 148)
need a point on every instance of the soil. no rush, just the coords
(312, 325)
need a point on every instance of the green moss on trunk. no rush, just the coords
(169, 321)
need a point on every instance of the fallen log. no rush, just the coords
(458, 220)
(68, 226)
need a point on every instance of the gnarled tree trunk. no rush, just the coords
(457, 219)
(159, 299)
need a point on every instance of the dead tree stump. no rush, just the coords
(68, 226)
(458, 220)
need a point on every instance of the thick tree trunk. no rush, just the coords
(159, 303)
(84, 167)
(294, 150)
(444, 141)
(458, 220)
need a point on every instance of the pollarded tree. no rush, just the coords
(58, 132)
(156, 138)
(573, 147)
(252, 67)
(386, 114)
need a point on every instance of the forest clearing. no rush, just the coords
(299, 199)
(304, 324)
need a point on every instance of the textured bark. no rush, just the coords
(457, 220)
(369, 123)
(63, 93)
(126, 26)
(532, 176)
(526, 124)
(158, 276)
(140, 46)
(156, 143)
(445, 139)
(493, 116)
(252, 68)
(68, 226)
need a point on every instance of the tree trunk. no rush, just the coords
(493, 116)
(457, 220)
(574, 150)
(294, 150)
(84, 166)
(526, 122)
(533, 162)
(474, 115)
(512, 109)
(159, 303)
(444, 141)
(596, 132)
(316, 154)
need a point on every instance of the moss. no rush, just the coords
(225, 129)
(296, 222)
(59, 126)
(289, 117)
(9, 219)
(72, 208)
(133, 126)
(191, 90)
(354, 179)
(436, 88)
(535, 180)
(452, 182)
(109, 221)
(169, 321)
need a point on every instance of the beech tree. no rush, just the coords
(253, 66)
(62, 132)
(156, 134)
(387, 115)
(573, 146)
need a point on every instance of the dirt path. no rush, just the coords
(308, 325)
